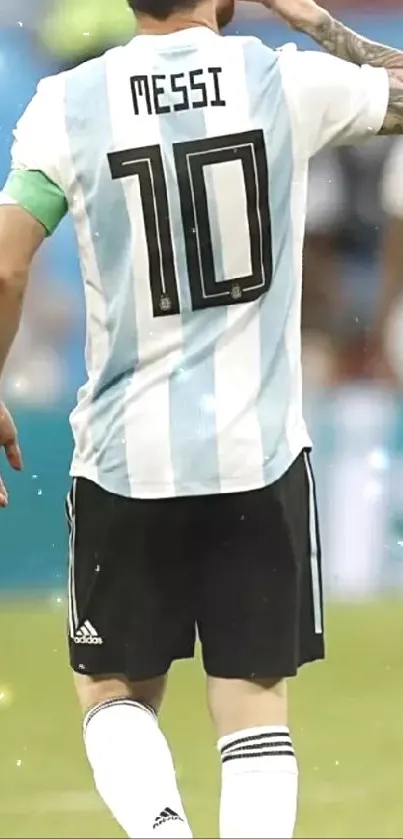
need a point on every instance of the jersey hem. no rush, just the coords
(278, 468)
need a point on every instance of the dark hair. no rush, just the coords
(160, 9)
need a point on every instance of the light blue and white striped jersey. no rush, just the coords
(184, 161)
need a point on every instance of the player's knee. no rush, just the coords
(94, 690)
(236, 704)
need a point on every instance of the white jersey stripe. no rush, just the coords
(192, 382)
(273, 402)
(237, 362)
(237, 382)
(158, 347)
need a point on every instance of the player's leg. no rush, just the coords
(131, 761)
(130, 615)
(261, 618)
(259, 788)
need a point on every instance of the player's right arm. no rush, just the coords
(341, 42)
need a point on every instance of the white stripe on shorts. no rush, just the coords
(313, 538)
(71, 597)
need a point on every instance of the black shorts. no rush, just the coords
(242, 570)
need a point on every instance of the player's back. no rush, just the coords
(181, 183)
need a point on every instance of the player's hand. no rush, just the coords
(9, 442)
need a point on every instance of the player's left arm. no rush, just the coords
(31, 206)
(20, 237)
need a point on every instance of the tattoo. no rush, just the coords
(342, 42)
(393, 122)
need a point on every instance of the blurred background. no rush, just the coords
(347, 713)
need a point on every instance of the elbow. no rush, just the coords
(12, 283)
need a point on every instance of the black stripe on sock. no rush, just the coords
(268, 735)
(256, 748)
(237, 756)
(111, 702)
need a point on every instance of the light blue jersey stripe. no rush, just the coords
(265, 85)
(193, 434)
(89, 128)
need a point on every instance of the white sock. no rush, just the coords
(259, 788)
(134, 771)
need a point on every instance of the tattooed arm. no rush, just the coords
(338, 40)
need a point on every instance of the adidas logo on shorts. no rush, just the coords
(86, 634)
(167, 815)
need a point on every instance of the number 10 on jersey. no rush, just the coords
(207, 289)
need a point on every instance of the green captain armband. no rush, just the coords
(38, 195)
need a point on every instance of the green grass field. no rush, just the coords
(347, 725)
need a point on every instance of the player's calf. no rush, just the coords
(259, 769)
(129, 755)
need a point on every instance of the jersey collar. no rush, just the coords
(191, 35)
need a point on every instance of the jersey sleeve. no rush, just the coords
(332, 102)
(34, 181)
(392, 182)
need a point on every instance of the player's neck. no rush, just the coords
(203, 15)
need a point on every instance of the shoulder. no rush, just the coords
(258, 59)
(41, 112)
(307, 62)
(86, 69)
(87, 82)
(248, 43)
(49, 89)
(93, 69)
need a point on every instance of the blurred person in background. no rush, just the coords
(322, 299)
(341, 261)
(194, 376)
(388, 343)
(359, 240)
